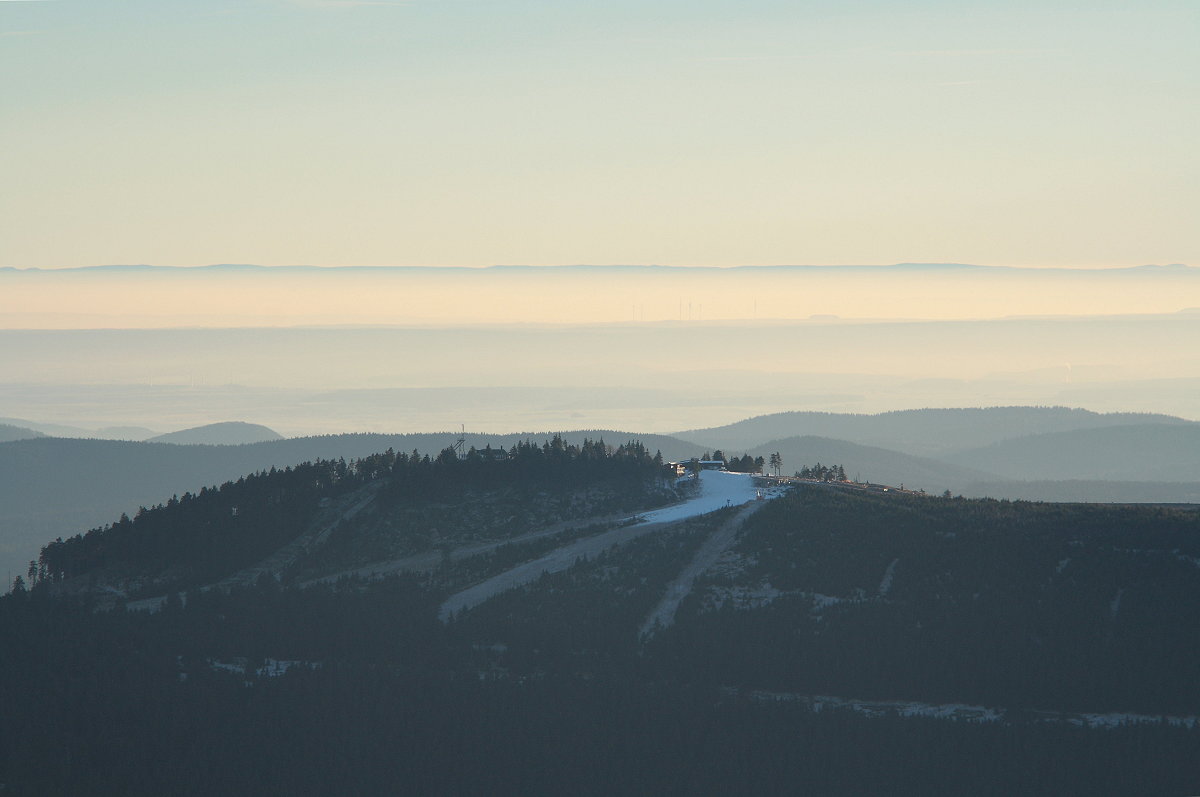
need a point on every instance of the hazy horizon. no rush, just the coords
(641, 377)
(402, 149)
(249, 296)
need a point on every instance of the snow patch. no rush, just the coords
(971, 713)
(272, 668)
(885, 584)
(743, 597)
(882, 708)
(821, 602)
(1115, 605)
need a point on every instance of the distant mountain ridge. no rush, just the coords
(49, 429)
(874, 464)
(62, 430)
(227, 433)
(924, 432)
(1141, 452)
(143, 267)
(124, 433)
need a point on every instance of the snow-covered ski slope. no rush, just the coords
(718, 489)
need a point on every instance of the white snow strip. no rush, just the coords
(718, 489)
(710, 550)
(824, 601)
(272, 668)
(555, 561)
(970, 713)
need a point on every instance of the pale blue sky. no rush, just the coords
(709, 133)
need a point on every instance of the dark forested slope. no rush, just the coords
(1043, 613)
(417, 502)
(53, 487)
(1047, 606)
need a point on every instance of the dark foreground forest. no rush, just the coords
(844, 644)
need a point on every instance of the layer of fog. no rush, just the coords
(231, 296)
(647, 378)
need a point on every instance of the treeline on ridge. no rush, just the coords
(217, 530)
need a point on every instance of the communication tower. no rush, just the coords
(459, 444)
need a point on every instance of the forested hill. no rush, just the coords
(227, 433)
(195, 539)
(843, 643)
(923, 432)
(51, 487)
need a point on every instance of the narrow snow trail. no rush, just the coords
(712, 548)
(885, 583)
(717, 490)
(431, 560)
(556, 561)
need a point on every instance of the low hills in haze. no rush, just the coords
(873, 464)
(1142, 452)
(928, 432)
(10, 432)
(229, 433)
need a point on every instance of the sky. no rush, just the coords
(711, 132)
